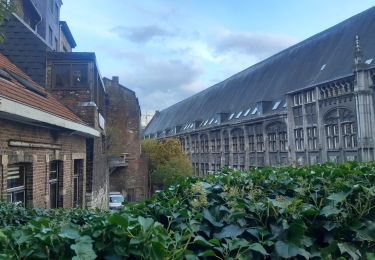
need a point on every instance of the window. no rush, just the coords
(297, 99)
(251, 143)
(260, 142)
(312, 137)
(53, 181)
(298, 137)
(226, 145)
(70, 75)
(213, 145)
(242, 143)
(272, 141)
(77, 179)
(349, 131)
(298, 117)
(247, 112)
(16, 184)
(332, 135)
(311, 117)
(235, 144)
(310, 96)
(276, 105)
(218, 145)
(56, 45)
(239, 114)
(283, 141)
(50, 36)
(254, 111)
(231, 116)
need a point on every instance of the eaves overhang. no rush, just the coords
(13, 108)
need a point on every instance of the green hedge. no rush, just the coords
(322, 211)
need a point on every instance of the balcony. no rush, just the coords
(118, 161)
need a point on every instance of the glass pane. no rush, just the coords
(62, 75)
(75, 191)
(53, 193)
(19, 196)
(79, 75)
(53, 173)
(15, 177)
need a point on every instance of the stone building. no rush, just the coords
(42, 145)
(128, 169)
(311, 103)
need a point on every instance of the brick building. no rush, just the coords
(42, 144)
(308, 104)
(128, 169)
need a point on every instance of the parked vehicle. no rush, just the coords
(115, 200)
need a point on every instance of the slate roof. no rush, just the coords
(30, 93)
(294, 68)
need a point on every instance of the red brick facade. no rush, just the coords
(67, 147)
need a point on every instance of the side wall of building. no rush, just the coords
(123, 129)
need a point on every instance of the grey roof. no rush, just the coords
(294, 68)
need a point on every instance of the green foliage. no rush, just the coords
(167, 161)
(6, 8)
(318, 212)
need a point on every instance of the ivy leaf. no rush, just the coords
(349, 249)
(258, 248)
(230, 231)
(68, 231)
(290, 250)
(338, 197)
(83, 249)
(330, 210)
(146, 223)
(208, 216)
(118, 219)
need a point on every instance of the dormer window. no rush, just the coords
(247, 112)
(239, 114)
(310, 96)
(297, 99)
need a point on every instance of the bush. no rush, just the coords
(323, 211)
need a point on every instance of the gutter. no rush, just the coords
(14, 108)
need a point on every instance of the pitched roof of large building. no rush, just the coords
(18, 87)
(321, 58)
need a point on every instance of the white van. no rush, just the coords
(115, 200)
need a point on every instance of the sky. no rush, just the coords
(168, 50)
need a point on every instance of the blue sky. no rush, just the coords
(168, 50)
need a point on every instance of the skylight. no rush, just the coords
(205, 122)
(285, 104)
(216, 121)
(323, 67)
(231, 116)
(369, 61)
(247, 112)
(239, 114)
(276, 105)
(254, 111)
(212, 120)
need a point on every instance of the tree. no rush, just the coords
(167, 161)
(6, 8)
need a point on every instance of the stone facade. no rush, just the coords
(123, 128)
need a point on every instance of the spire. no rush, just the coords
(358, 52)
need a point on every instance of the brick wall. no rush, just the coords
(37, 160)
(123, 116)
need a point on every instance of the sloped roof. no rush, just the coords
(294, 68)
(34, 96)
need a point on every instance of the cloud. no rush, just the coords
(142, 34)
(254, 44)
(161, 83)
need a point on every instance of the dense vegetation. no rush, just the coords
(323, 211)
(167, 162)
